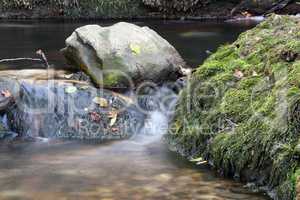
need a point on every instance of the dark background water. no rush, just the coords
(190, 38)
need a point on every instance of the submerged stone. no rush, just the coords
(247, 126)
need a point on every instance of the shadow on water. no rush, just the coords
(141, 168)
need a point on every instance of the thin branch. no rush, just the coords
(20, 59)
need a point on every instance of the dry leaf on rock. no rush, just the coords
(136, 49)
(95, 117)
(84, 87)
(101, 102)
(6, 93)
(115, 129)
(113, 115)
(68, 76)
(70, 89)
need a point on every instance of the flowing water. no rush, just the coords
(141, 168)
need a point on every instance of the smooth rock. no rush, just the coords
(122, 55)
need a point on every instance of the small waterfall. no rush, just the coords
(162, 105)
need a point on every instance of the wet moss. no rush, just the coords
(248, 126)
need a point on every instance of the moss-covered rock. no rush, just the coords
(241, 109)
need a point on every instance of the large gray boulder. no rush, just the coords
(112, 55)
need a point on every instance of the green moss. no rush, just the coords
(111, 79)
(246, 124)
(235, 104)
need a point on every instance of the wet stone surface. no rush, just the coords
(51, 110)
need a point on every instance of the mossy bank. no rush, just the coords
(241, 108)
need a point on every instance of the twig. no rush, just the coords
(44, 58)
(20, 59)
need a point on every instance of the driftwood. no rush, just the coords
(20, 59)
(38, 52)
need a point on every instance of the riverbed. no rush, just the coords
(140, 168)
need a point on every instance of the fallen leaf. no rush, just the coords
(70, 89)
(101, 102)
(84, 87)
(6, 93)
(197, 159)
(201, 163)
(68, 76)
(246, 14)
(115, 129)
(113, 115)
(136, 49)
(254, 73)
(238, 74)
(95, 116)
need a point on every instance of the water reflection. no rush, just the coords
(191, 39)
(120, 170)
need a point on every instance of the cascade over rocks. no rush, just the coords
(122, 54)
(55, 109)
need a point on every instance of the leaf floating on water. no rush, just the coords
(136, 49)
(101, 102)
(200, 159)
(238, 74)
(70, 89)
(68, 76)
(113, 115)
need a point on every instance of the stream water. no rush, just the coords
(141, 168)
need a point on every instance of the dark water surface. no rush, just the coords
(138, 169)
(191, 39)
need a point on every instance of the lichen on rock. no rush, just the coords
(241, 108)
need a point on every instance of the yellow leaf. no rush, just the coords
(84, 87)
(101, 102)
(200, 159)
(136, 49)
(113, 115)
(70, 89)
(68, 76)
